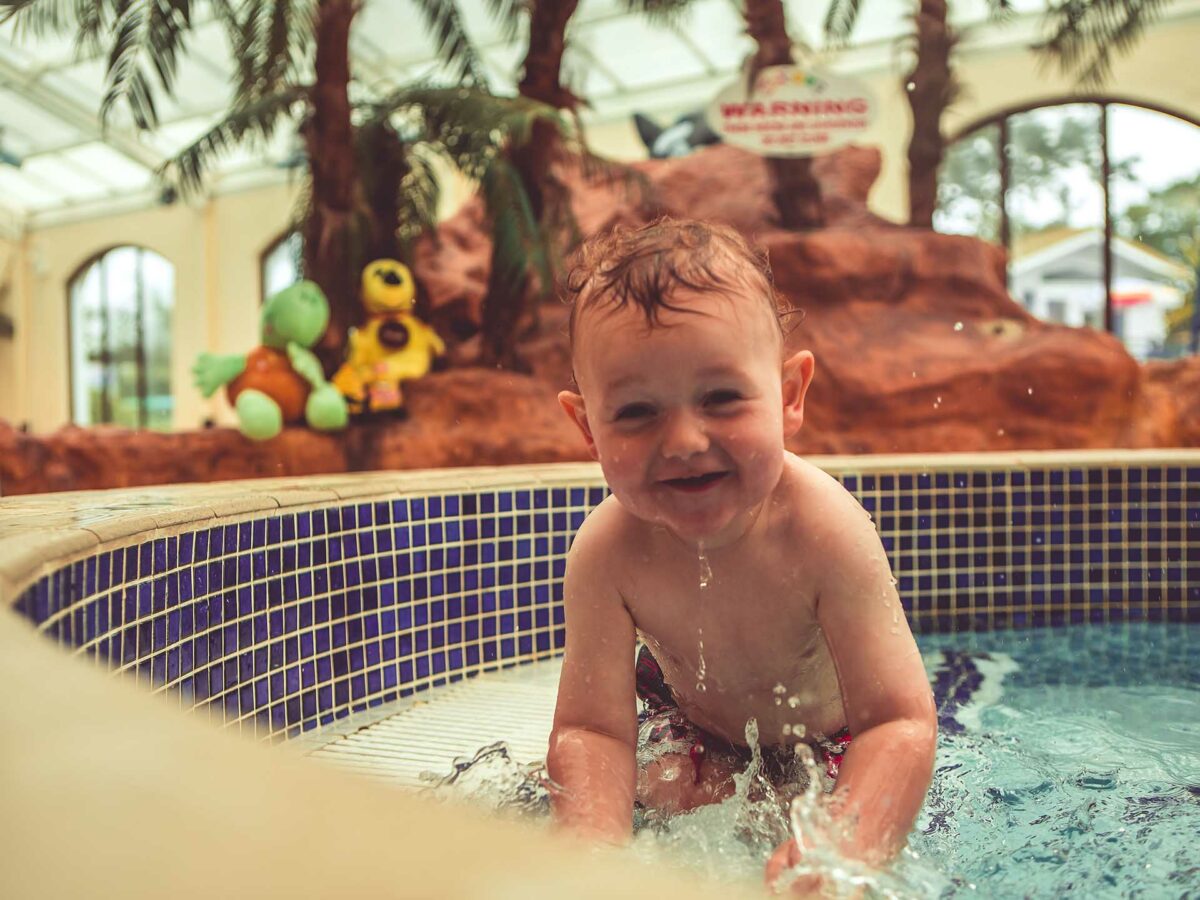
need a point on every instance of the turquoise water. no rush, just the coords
(1079, 773)
(1068, 763)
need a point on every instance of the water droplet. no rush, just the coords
(701, 687)
(787, 729)
(937, 402)
(911, 86)
(705, 569)
(799, 730)
(958, 326)
(793, 701)
(1000, 432)
(1029, 390)
(914, 374)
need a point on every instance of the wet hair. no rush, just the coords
(643, 267)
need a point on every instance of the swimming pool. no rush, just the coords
(280, 608)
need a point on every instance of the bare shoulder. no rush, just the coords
(607, 526)
(828, 520)
(604, 538)
(820, 500)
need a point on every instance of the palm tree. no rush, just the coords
(1084, 34)
(533, 233)
(796, 193)
(930, 87)
(369, 185)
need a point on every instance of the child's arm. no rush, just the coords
(593, 743)
(885, 691)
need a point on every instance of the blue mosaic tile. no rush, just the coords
(300, 618)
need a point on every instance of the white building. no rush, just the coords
(1058, 275)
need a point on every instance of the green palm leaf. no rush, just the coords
(1085, 33)
(468, 125)
(271, 43)
(253, 121)
(419, 196)
(454, 45)
(840, 18)
(660, 12)
(39, 17)
(149, 34)
(509, 13)
(517, 245)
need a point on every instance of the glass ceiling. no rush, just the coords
(56, 162)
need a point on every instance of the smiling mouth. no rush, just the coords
(696, 483)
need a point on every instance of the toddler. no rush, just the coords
(756, 584)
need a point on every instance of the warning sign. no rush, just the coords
(792, 112)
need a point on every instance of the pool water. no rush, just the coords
(1079, 773)
(1068, 763)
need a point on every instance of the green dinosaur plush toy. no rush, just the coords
(281, 380)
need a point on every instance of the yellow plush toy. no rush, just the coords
(392, 346)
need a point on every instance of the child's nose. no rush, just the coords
(685, 436)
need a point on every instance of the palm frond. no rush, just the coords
(454, 45)
(148, 34)
(1085, 34)
(253, 121)
(840, 19)
(517, 244)
(660, 12)
(509, 13)
(419, 197)
(1000, 11)
(40, 17)
(469, 125)
(270, 40)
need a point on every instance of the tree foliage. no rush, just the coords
(1049, 151)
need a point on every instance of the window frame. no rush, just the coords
(1104, 101)
(76, 276)
(270, 248)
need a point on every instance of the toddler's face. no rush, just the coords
(688, 418)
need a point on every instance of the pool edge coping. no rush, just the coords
(42, 532)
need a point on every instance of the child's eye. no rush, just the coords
(722, 397)
(633, 411)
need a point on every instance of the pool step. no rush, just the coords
(440, 725)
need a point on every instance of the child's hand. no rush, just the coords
(786, 856)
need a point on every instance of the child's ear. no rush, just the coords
(797, 376)
(572, 405)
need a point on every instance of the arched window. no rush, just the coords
(281, 263)
(120, 336)
(1098, 204)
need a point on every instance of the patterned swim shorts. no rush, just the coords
(664, 729)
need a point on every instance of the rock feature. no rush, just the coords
(919, 349)
(469, 417)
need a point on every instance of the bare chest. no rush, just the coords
(744, 644)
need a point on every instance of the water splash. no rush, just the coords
(705, 580)
(727, 842)
(493, 779)
(705, 568)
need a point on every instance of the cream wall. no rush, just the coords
(12, 363)
(215, 246)
(215, 249)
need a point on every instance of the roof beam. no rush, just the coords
(76, 115)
